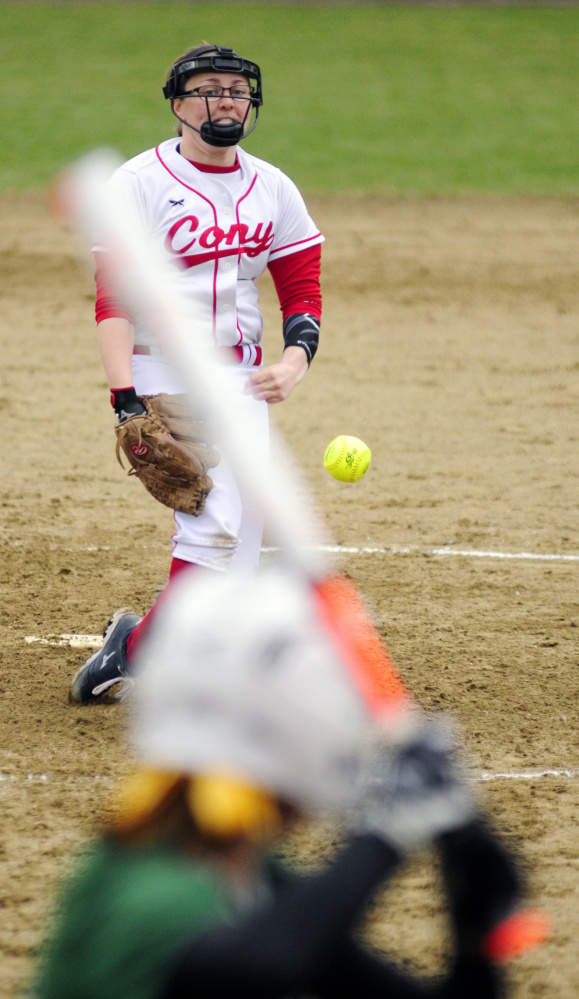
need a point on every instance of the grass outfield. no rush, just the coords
(357, 97)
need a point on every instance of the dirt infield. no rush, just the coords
(451, 346)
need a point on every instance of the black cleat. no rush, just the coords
(108, 666)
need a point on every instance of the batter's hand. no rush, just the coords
(274, 382)
(413, 789)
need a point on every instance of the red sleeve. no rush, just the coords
(297, 282)
(108, 305)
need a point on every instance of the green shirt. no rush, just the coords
(122, 919)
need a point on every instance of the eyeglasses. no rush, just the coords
(213, 93)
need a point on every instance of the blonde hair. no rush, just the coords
(221, 806)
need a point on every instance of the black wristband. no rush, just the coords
(302, 330)
(126, 402)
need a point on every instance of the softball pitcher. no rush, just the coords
(221, 216)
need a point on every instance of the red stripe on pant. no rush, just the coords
(178, 565)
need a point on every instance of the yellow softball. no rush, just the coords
(347, 458)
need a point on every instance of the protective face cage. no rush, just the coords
(221, 60)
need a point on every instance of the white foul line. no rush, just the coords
(445, 550)
(532, 556)
(75, 641)
(393, 550)
(485, 775)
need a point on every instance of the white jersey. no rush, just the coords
(219, 230)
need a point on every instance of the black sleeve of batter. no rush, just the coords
(357, 972)
(286, 948)
(301, 945)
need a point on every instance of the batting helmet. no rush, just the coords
(239, 675)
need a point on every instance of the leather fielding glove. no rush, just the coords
(167, 449)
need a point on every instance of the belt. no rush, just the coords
(247, 353)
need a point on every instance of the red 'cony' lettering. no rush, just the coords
(265, 241)
(237, 229)
(193, 223)
(236, 237)
(214, 233)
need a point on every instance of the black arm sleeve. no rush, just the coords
(302, 330)
(357, 972)
(285, 948)
(483, 879)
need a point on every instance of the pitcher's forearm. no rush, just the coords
(116, 338)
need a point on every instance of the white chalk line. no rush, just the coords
(95, 641)
(571, 773)
(49, 778)
(75, 641)
(443, 550)
(487, 775)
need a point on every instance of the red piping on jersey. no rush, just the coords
(213, 208)
(241, 199)
(288, 245)
(182, 182)
(237, 212)
(238, 223)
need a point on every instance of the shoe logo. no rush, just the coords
(127, 685)
(106, 659)
(176, 203)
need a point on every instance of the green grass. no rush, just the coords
(357, 97)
